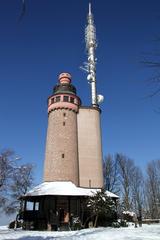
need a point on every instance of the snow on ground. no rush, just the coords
(147, 232)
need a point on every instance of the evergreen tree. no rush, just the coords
(102, 207)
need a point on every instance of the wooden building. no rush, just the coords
(56, 206)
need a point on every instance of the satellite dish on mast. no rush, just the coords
(89, 77)
(100, 98)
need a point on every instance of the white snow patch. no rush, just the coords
(129, 213)
(146, 232)
(64, 189)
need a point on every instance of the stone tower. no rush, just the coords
(89, 130)
(73, 147)
(90, 147)
(73, 168)
(61, 158)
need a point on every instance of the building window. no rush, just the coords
(66, 99)
(52, 100)
(64, 123)
(71, 99)
(36, 206)
(58, 99)
(64, 114)
(29, 205)
(62, 155)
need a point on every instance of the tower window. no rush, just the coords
(52, 100)
(66, 99)
(58, 99)
(64, 114)
(62, 155)
(64, 123)
(71, 99)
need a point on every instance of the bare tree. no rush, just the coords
(7, 167)
(138, 192)
(154, 81)
(15, 180)
(111, 174)
(126, 171)
(153, 188)
(22, 181)
(151, 60)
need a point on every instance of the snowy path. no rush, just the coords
(147, 232)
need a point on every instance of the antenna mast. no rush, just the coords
(91, 45)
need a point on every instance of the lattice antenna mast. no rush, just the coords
(91, 44)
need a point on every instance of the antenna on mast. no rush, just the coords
(90, 66)
(89, 9)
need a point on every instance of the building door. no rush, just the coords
(63, 209)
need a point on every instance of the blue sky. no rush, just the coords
(50, 40)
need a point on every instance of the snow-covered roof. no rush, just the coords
(66, 188)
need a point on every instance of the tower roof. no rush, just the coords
(65, 78)
(64, 85)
